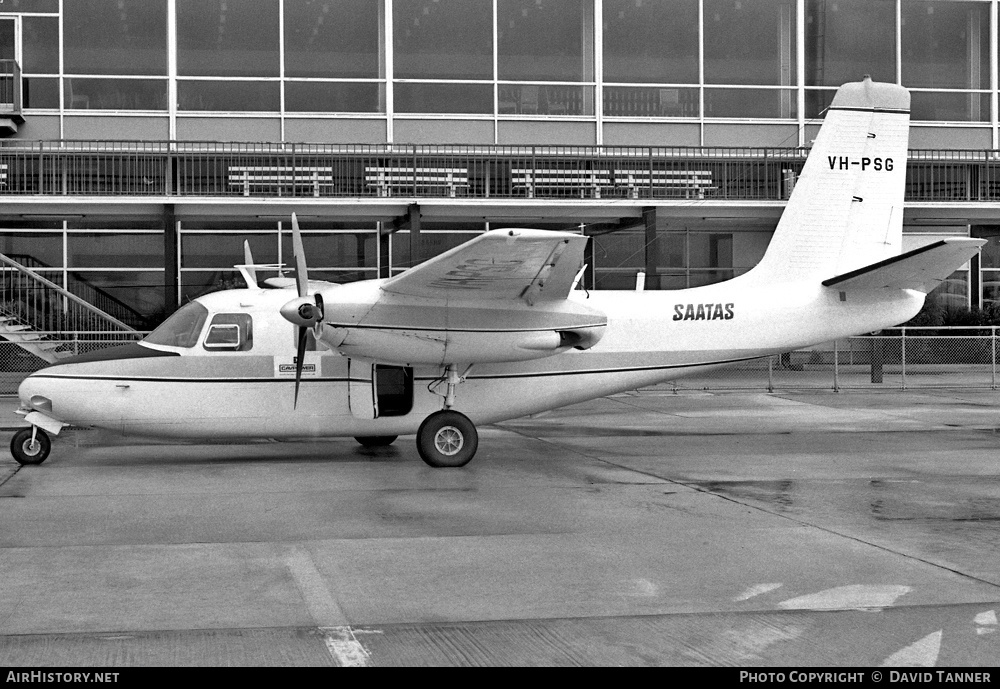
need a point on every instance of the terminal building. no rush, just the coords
(145, 140)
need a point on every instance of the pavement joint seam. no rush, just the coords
(800, 522)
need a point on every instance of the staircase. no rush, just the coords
(31, 341)
(49, 321)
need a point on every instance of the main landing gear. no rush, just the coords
(30, 446)
(448, 438)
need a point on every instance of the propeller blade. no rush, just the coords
(300, 355)
(301, 275)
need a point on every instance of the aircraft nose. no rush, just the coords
(34, 393)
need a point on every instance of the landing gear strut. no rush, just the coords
(447, 439)
(30, 446)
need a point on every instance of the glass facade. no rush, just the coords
(666, 60)
(508, 72)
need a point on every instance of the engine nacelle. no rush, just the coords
(441, 347)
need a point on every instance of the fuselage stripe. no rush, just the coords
(540, 374)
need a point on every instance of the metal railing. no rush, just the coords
(896, 359)
(104, 302)
(176, 169)
(32, 300)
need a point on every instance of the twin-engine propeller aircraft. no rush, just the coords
(494, 328)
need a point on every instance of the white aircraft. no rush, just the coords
(494, 329)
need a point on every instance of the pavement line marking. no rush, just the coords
(854, 597)
(345, 647)
(988, 617)
(923, 653)
(323, 608)
(986, 622)
(757, 590)
(326, 613)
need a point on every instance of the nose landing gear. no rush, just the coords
(30, 446)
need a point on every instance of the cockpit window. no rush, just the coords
(182, 328)
(232, 332)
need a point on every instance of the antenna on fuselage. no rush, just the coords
(248, 269)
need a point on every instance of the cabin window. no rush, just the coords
(232, 332)
(394, 389)
(182, 329)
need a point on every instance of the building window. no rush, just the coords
(336, 252)
(443, 98)
(40, 45)
(633, 101)
(332, 96)
(545, 41)
(122, 37)
(334, 40)
(750, 42)
(847, 39)
(651, 42)
(741, 103)
(114, 94)
(229, 95)
(945, 44)
(952, 106)
(446, 39)
(230, 38)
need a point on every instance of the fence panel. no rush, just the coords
(959, 357)
(17, 362)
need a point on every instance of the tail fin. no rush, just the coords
(846, 210)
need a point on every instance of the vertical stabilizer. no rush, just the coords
(846, 211)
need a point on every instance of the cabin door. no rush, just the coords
(360, 389)
(376, 390)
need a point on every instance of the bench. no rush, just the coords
(695, 182)
(278, 176)
(387, 178)
(579, 180)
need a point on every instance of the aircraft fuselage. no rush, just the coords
(198, 393)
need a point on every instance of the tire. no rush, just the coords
(447, 439)
(376, 440)
(24, 453)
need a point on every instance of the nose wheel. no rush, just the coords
(30, 446)
(447, 439)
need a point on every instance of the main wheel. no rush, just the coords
(26, 452)
(447, 439)
(376, 440)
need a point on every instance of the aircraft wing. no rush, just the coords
(508, 264)
(922, 269)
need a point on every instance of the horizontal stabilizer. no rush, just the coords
(922, 269)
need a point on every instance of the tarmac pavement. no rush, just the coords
(660, 527)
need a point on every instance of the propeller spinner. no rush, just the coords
(305, 311)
